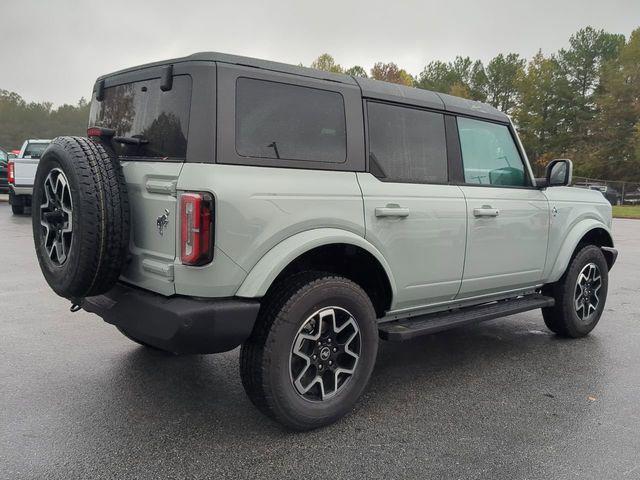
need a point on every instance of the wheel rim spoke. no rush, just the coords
(56, 217)
(325, 353)
(586, 292)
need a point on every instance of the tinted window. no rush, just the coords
(142, 110)
(489, 154)
(407, 145)
(3, 156)
(35, 150)
(277, 120)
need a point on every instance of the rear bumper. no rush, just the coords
(177, 324)
(21, 190)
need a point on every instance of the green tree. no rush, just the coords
(541, 114)
(357, 71)
(462, 77)
(615, 130)
(582, 62)
(327, 63)
(503, 76)
(20, 120)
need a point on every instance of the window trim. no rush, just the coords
(460, 180)
(366, 102)
(235, 128)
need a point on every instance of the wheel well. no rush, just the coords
(351, 262)
(599, 237)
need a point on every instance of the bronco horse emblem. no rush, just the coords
(162, 221)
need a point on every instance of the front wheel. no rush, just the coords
(580, 294)
(312, 351)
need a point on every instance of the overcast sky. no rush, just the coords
(54, 49)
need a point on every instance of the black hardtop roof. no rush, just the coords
(374, 89)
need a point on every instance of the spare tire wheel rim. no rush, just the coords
(325, 353)
(586, 294)
(56, 217)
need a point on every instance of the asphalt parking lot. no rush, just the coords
(505, 399)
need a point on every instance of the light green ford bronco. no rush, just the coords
(220, 201)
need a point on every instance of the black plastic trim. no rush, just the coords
(409, 328)
(611, 255)
(177, 324)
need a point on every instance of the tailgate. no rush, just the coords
(152, 199)
(25, 171)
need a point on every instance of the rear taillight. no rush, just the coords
(11, 173)
(196, 228)
(100, 132)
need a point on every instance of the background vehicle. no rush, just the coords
(4, 171)
(610, 193)
(223, 200)
(23, 171)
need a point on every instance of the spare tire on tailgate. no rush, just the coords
(80, 215)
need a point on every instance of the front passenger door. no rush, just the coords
(508, 218)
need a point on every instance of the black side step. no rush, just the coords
(407, 328)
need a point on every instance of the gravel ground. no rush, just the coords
(501, 400)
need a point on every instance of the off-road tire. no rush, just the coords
(17, 203)
(100, 215)
(17, 209)
(562, 318)
(265, 356)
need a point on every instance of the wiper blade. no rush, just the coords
(131, 140)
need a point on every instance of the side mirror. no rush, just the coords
(559, 173)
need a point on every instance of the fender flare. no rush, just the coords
(263, 273)
(570, 243)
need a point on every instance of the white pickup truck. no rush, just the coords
(22, 172)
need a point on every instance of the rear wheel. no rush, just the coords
(580, 294)
(17, 209)
(17, 203)
(312, 351)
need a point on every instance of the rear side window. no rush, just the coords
(489, 154)
(282, 121)
(35, 150)
(142, 110)
(406, 144)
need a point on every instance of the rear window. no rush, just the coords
(282, 121)
(34, 150)
(142, 110)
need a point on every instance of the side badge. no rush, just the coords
(554, 211)
(162, 221)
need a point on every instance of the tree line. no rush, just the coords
(21, 120)
(582, 102)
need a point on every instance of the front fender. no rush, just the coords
(276, 260)
(570, 243)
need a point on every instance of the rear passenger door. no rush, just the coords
(508, 218)
(412, 214)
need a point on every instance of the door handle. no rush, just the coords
(486, 211)
(392, 210)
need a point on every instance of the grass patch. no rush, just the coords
(626, 211)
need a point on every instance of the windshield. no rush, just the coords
(3, 156)
(34, 150)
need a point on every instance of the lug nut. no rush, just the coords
(320, 366)
(315, 356)
(335, 349)
(329, 341)
(330, 362)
